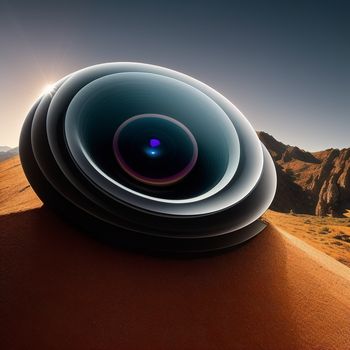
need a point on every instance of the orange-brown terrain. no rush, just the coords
(328, 234)
(16, 194)
(61, 289)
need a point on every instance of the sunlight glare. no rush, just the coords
(48, 88)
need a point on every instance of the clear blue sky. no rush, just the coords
(285, 64)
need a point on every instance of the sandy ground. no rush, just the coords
(329, 235)
(15, 192)
(61, 289)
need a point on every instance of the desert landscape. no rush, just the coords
(328, 234)
(75, 272)
(311, 203)
(60, 288)
(60, 284)
(313, 196)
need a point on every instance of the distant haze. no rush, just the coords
(284, 64)
(4, 148)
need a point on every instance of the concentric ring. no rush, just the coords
(184, 148)
(67, 151)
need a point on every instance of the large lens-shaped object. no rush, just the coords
(149, 158)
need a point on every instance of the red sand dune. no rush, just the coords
(60, 289)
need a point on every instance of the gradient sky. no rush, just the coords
(284, 64)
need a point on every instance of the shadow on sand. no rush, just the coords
(63, 289)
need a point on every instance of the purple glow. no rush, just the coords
(154, 142)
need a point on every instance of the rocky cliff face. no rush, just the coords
(313, 183)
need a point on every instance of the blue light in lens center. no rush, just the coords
(154, 143)
(152, 152)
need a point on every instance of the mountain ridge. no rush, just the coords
(7, 152)
(315, 183)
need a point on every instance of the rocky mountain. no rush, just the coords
(7, 152)
(310, 182)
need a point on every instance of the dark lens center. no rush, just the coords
(155, 149)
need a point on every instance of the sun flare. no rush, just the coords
(48, 88)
